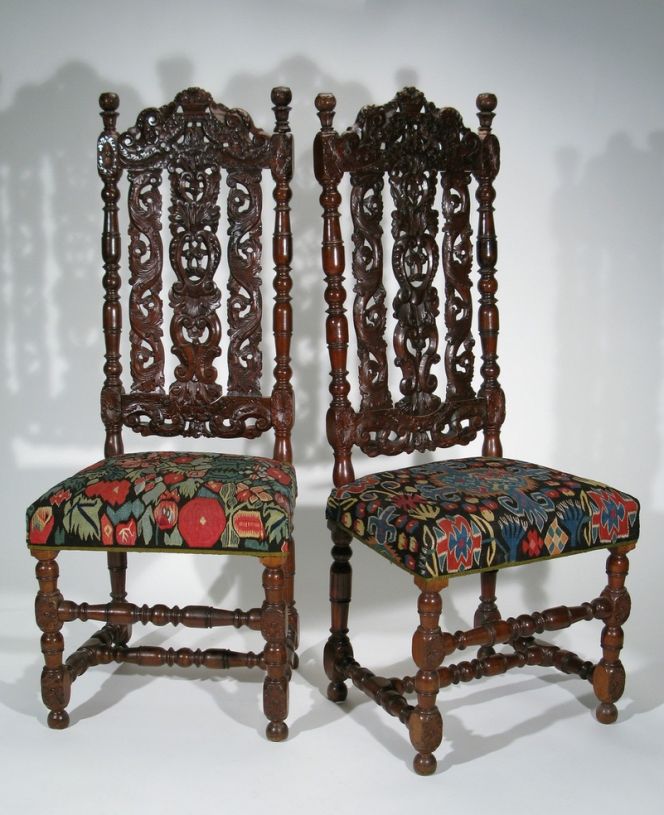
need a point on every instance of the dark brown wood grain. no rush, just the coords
(413, 168)
(179, 161)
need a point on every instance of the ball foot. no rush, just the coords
(425, 764)
(277, 731)
(606, 713)
(337, 692)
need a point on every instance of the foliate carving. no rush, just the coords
(409, 125)
(415, 261)
(244, 261)
(224, 417)
(393, 431)
(228, 135)
(194, 297)
(369, 311)
(145, 263)
(457, 263)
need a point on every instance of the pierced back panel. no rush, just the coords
(420, 159)
(196, 150)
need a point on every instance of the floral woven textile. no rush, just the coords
(467, 515)
(172, 502)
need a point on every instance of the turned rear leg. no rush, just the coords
(487, 611)
(338, 648)
(117, 567)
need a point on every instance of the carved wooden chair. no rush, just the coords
(171, 501)
(456, 517)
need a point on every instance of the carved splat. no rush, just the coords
(195, 152)
(420, 149)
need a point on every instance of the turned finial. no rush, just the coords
(109, 102)
(325, 104)
(486, 104)
(281, 96)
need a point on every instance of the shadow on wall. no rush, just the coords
(608, 222)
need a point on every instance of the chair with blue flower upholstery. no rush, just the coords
(446, 518)
(191, 502)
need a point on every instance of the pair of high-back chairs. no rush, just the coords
(434, 521)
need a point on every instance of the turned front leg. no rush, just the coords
(609, 674)
(274, 627)
(338, 647)
(425, 724)
(55, 678)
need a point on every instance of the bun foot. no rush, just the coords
(58, 719)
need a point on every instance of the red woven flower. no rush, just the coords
(165, 514)
(201, 523)
(113, 492)
(41, 524)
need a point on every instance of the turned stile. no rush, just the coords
(282, 254)
(339, 423)
(486, 169)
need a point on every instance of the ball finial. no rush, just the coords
(325, 102)
(281, 96)
(109, 102)
(486, 102)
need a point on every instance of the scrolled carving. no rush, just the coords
(225, 417)
(245, 306)
(145, 263)
(191, 119)
(369, 312)
(393, 431)
(457, 262)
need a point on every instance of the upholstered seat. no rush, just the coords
(170, 501)
(471, 514)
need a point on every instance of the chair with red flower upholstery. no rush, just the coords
(446, 518)
(193, 502)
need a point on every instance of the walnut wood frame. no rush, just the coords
(414, 143)
(192, 139)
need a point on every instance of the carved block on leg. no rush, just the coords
(425, 724)
(55, 678)
(338, 648)
(274, 627)
(293, 616)
(609, 674)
